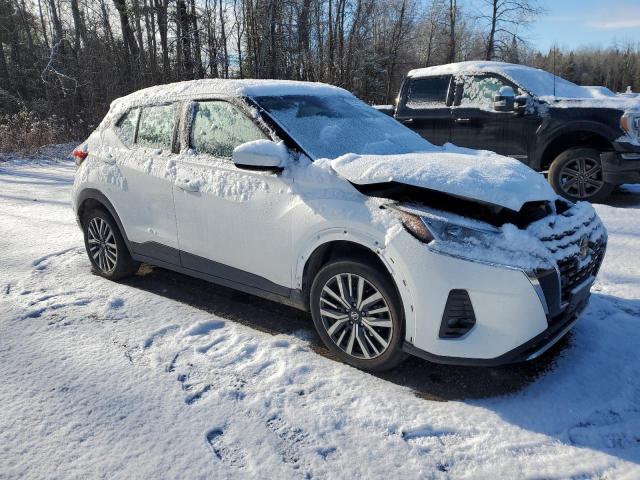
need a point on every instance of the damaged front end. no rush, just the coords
(558, 245)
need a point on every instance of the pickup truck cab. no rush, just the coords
(588, 141)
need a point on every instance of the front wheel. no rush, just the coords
(576, 174)
(358, 315)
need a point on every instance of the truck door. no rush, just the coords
(425, 107)
(475, 124)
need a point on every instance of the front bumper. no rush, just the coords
(518, 316)
(621, 167)
(557, 328)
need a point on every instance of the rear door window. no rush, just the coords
(428, 92)
(157, 125)
(126, 126)
(218, 127)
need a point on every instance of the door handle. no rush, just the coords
(187, 185)
(462, 120)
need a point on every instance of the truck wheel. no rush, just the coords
(358, 314)
(576, 174)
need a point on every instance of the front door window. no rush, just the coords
(218, 127)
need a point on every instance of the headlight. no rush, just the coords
(428, 225)
(630, 123)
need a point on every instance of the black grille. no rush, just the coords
(458, 317)
(576, 263)
(574, 271)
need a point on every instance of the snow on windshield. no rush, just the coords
(328, 127)
(541, 84)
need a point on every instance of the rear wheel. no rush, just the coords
(105, 246)
(576, 174)
(358, 314)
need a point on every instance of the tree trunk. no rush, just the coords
(57, 25)
(4, 71)
(396, 39)
(197, 47)
(453, 13)
(240, 26)
(161, 7)
(492, 32)
(106, 25)
(129, 41)
(185, 37)
(150, 27)
(137, 18)
(78, 25)
(44, 27)
(330, 45)
(223, 40)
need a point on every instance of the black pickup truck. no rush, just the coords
(586, 138)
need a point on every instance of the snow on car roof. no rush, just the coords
(536, 81)
(218, 87)
(227, 87)
(466, 67)
(556, 90)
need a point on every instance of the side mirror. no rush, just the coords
(261, 155)
(505, 100)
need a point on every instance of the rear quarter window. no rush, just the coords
(428, 92)
(126, 126)
(156, 127)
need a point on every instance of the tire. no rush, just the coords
(351, 334)
(105, 246)
(576, 174)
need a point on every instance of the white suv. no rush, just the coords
(300, 193)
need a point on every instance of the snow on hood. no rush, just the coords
(616, 102)
(476, 175)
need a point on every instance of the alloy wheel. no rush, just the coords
(581, 178)
(356, 316)
(102, 245)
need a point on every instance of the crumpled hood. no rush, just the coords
(476, 175)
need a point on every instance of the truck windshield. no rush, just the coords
(331, 126)
(544, 84)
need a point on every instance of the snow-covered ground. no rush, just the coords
(167, 377)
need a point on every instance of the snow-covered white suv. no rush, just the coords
(300, 193)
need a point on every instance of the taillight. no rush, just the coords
(79, 154)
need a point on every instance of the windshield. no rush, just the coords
(331, 126)
(541, 83)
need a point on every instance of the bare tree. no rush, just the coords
(453, 18)
(506, 19)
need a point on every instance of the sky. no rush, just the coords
(576, 23)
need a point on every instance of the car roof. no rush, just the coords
(469, 67)
(228, 87)
(217, 87)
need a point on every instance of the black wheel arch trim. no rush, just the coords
(98, 196)
(549, 132)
